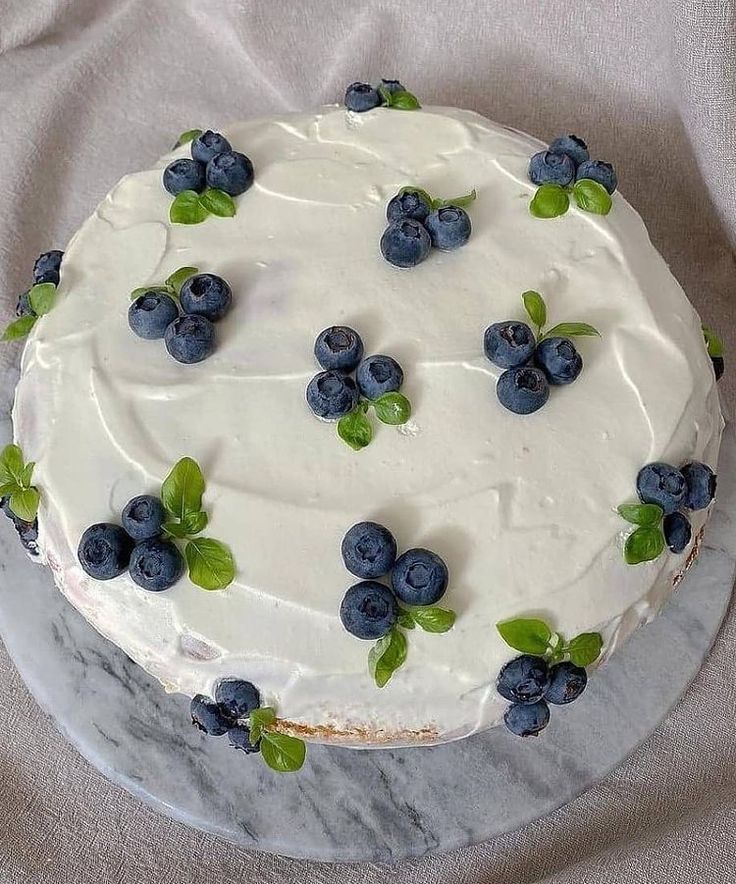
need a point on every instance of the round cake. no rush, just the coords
(522, 508)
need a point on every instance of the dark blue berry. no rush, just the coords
(718, 365)
(527, 721)
(701, 485)
(566, 683)
(546, 167)
(524, 679)
(155, 564)
(27, 531)
(190, 338)
(448, 227)
(206, 295)
(360, 97)
(236, 697)
(677, 531)
(407, 205)
(599, 171)
(559, 360)
(143, 517)
(208, 717)
(419, 577)
(23, 305)
(522, 390)
(208, 145)
(231, 172)
(405, 243)
(151, 314)
(368, 610)
(104, 551)
(369, 550)
(331, 395)
(572, 146)
(47, 267)
(392, 86)
(338, 348)
(239, 738)
(184, 174)
(377, 375)
(508, 344)
(662, 484)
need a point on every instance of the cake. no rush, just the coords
(522, 508)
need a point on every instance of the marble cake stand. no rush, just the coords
(348, 805)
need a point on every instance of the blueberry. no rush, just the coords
(448, 227)
(508, 344)
(236, 697)
(522, 390)
(208, 717)
(377, 375)
(143, 517)
(677, 531)
(405, 243)
(662, 484)
(208, 145)
(338, 348)
(23, 305)
(206, 295)
(190, 338)
(566, 683)
(546, 167)
(151, 314)
(239, 738)
(47, 266)
(559, 360)
(184, 174)
(392, 86)
(231, 172)
(527, 721)
(718, 365)
(572, 146)
(360, 97)
(419, 577)
(155, 564)
(331, 395)
(701, 485)
(599, 171)
(407, 205)
(369, 550)
(104, 551)
(368, 610)
(27, 531)
(524, 679)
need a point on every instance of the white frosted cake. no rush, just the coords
(522, 508)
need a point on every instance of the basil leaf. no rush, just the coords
(713, 343)
(24, 503)
(643, 545)
(259, 719)
(641, 513)
(403, 100)
(572, 330)
(194, 523)
(178, 278)
(536, 308)
(11, 465)
(549, 201)
(19, 328)
(144, 289)
(592, 196)
(355, 429)
(218, 202)
(282, 752)
(41, 297)
(405, 619)
(26, 475)
(182, 490)
(459, 201)
(585, 648)
(210, 562)
(422, 194)
(187, 136)
(175, 529)
(392, 408)
(187, 209)
(386, 656)
(434, 619)
(528, 635)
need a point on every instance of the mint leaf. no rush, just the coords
(177, 279)
(194, 523)
(11, 465)
(187, 136)
(549, 201)
(713, 343)
(572, 330)
(9, 487)
(434, 619)
(258, 720)
(218, 202)
(210, 563)
(385, 96)
(405, 619)
(175, 529)
(24, 503)
(392, 408)
(27, 474)
(187, 209)
(386, 656)
(459, 201)
(182, 490)
(641, 513)
(355, 429)
(536, 308)
(42, 297)
(144, 289)
(282, 752)
(528, 635)
(19, 328)
(422, 194)
(643, 545)
(403, 100)
(585, 648)
(592, 196)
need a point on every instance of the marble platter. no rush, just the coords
(346, 805)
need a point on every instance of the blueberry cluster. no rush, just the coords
(36, 301)
(228, 713)
(362, 97)
(531, 684)
(213, 164)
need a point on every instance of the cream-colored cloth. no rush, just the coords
(91, 89)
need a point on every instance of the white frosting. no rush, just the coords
(521, 508)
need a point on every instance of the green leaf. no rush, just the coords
(144, 289)
(25, 503)
(259, 719)
(459, 201)
(422, 194)
(643, 545)
(210, 562)
(27, 475)
(592, 196)
(405, 619)
(585, 648)
(187, 209)
(549, 201)
(434, 619)
(11, 465)
(712, 342)
(42, 297)
(194, 523)
(527, 635)
(282, 752)
(175, 529)
(386, 656)
(9, 487)
(392, 408)
(355, 429)
(403, 100)
(177, 279)
(572, 330)
(218, 202)
(182, 489)
(385, 96)
(187, 136)
(19, 328)
(641, 513)
(536, 308)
